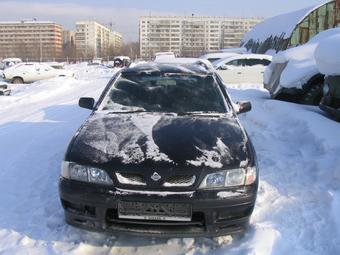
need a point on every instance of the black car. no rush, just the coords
(4, 90)
(162, 154)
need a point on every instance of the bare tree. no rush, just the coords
(130, 49)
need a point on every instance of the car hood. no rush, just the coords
(160, 139)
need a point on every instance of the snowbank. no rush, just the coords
(327, 55)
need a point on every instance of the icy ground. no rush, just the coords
(297, 210)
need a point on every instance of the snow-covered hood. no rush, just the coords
(150, 139)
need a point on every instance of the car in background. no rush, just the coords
(122, 61)
(163, 55)
(187, 61)
(245, 68)
(31, 72)
(96, 62)
(8, 62)
(4, 90)
(162, 154)
(215, 56)
(293, 74)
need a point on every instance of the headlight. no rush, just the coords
(229, 178)
(73, 171)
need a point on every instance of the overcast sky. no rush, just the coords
(125, 13)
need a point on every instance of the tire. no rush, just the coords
(17, 80)
(313, 95)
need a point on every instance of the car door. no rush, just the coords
(232, 71)
(254, 70)
(45, 72)
(27, 71)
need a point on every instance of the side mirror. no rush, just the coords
(86, 102)
(223, 67)
(243, 107)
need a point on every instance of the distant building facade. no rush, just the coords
(191, 36)
(69, 37)
(31, 40)
(96, 40)
(292, 29)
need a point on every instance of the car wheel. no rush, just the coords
(17, 80)
(313, 95)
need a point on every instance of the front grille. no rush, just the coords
(131, 179)
(180, 181)
(169, 182)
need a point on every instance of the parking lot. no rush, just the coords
(297, 206)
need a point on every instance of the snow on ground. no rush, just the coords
(298, 152)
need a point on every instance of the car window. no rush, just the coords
(235, 62)
(165, 93)
(254, 62)
(213, 59)
(26, 68)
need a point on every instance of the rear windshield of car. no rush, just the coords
(165, 93)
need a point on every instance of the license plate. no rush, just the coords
(154, 211)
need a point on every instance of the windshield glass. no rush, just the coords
(165, 93)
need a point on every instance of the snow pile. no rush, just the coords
(327, 55)
(84, 71)
(278, 26)
(301, 62)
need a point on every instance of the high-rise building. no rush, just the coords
(68, 37)
(31, 40)
(191, 36)
(96, 40)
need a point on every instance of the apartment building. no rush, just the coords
(31, 40)
(96, 40)
(68, 37)
(116, 40)
(191, 36)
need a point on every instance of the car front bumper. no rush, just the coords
(214, 213)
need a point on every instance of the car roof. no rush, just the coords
(169, 68)
(219, 55)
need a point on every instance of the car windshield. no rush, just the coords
(165, 93)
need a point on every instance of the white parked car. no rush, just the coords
(31, 72)
(163, 55)
(245, 68)
(187, 61)
(212, 57)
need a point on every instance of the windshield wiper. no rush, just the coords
(127, 112)
(200, 113)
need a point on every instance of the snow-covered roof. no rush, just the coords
(279, 26)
